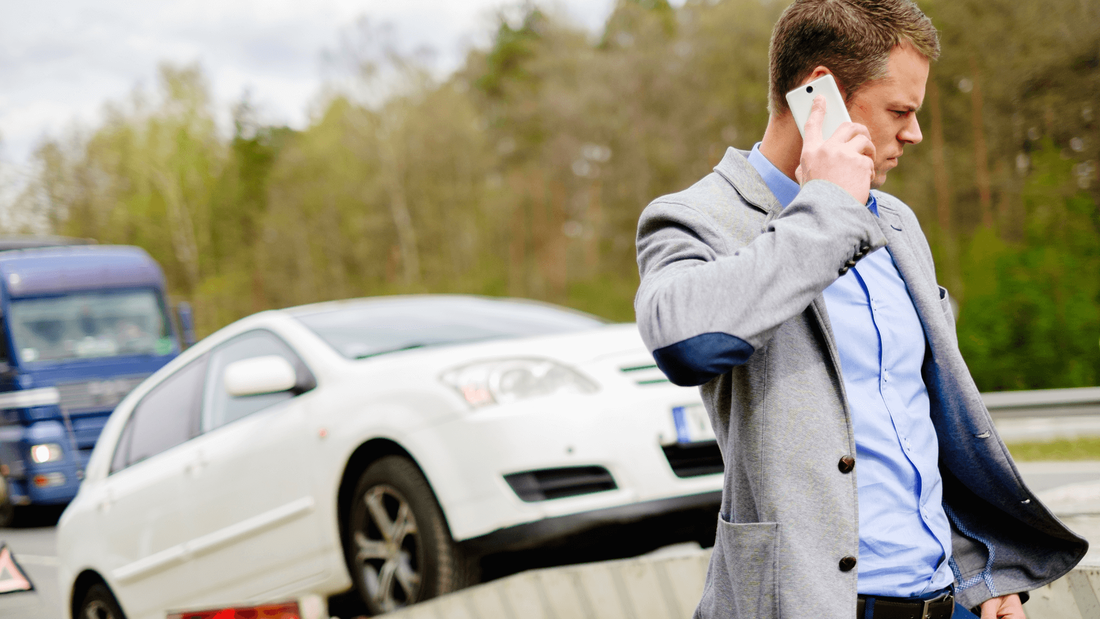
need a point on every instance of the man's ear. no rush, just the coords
(821, 71)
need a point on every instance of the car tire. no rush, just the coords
(100, 603)
(398, 547)
(7, 508)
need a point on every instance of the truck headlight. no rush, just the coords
(46, 452)
(510, 380)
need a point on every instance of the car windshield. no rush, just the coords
(85, 325)
(365, 329)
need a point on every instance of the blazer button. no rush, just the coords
(847, 564)
(846, 464)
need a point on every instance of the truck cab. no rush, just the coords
(80, 326)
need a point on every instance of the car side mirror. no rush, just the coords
(259, 375)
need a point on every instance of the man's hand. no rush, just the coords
(847, 158)
(1006, 606)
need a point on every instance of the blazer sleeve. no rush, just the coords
(708, 300)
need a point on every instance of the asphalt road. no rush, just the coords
(34, 546)
(1071, 489)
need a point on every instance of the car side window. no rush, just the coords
(167, 416)
(220, 408)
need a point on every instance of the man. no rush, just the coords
(806, 306)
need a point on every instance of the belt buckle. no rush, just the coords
(948, 597)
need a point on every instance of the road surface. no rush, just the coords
(1071, 489)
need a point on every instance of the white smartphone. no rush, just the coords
(802, 98)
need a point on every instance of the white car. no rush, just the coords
(383, 444)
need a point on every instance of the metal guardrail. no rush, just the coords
(1043, 403)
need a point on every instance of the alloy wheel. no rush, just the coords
(387, 547)
(97, 609)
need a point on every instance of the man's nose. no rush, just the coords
(910, 133)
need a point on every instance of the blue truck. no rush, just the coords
(80, 326)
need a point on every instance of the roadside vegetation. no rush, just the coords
(1084, 448)
(524, 173)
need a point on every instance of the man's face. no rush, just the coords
(888, 108)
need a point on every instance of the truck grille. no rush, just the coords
(545, 484)
(96, 395)
(695, 459)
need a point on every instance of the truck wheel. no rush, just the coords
(7, 509)
(100, 603)
(397, 546)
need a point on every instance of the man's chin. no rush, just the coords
(879, 181)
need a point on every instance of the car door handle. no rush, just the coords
(196, 465)
(106, 500)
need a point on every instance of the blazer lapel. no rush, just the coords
(919, 280)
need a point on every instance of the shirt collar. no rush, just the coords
(781, 185)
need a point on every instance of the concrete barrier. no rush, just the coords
(658, 586)
(667, 585)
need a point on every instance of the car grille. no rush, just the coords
(546, 484)
(695, 459)
(644, 374)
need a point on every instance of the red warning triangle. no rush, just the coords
(12, 578)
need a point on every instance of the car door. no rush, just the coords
(142, 513)
(256, 531)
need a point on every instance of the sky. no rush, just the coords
(62, 60)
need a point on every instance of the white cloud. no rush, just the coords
(60, 61)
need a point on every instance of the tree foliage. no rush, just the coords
(525, 171)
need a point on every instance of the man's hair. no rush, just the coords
(852, 38)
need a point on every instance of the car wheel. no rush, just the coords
(398, 546)
(99, 603)
(7, 509)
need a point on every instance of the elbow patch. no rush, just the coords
(698, 359)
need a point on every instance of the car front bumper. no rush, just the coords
(629, 435)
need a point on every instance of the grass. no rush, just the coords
(1077, 449)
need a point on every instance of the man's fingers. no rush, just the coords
(849, 130)
(812, 131)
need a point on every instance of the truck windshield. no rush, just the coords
(87, 325)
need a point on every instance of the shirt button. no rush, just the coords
(847, 564)
(846, 464)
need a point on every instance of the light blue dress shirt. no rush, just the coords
(904, 534)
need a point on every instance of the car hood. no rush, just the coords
(582, 348)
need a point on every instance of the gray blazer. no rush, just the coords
(730, 299)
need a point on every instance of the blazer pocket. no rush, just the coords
(749, 583)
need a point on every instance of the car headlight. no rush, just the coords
(46, 452)
(510, 380)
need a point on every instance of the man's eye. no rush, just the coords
(901, 113)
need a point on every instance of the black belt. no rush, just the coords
(941, 607)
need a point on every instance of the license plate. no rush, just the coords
(692, 424)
